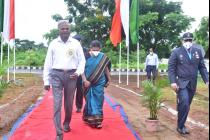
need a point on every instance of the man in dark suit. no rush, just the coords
(183, 67)
(79, 94)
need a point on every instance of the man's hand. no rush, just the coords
(73, 76)
(174, 86)
(86, 84)
(207, 83)
(47, 87)
(107, 84)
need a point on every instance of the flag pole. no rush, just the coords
(138, 65)
(127, 64)
(120, 63)
(8, 63)
(1, 48)
(14, 69)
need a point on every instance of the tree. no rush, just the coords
(57, 17)
(24, 45)
(51, 35)
(92, 18)
(202, 33)
(161, 22)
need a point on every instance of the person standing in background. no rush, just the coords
(64, 62)
(79, 94)
(151, 65)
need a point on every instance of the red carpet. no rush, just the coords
(38, 125)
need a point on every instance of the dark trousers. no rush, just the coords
(151, 69)
(79, 94)
(62, 83)
(184, 99)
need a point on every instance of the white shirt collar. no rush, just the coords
(69, 39)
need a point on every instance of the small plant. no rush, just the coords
(162, 82)
(152, 98)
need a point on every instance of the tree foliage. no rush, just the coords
(202, 33)
(24, 45)
(161, 23)
(91, 18)
(51, 35)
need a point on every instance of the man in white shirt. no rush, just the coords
(151, 64)
(64, 62)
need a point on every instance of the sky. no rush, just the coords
(33, 17)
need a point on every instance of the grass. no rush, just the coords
(199, 109)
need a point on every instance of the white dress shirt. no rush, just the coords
(65, 56)
(152, 59)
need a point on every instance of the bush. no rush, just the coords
(152, 98)
(162, 82)
(3, 85)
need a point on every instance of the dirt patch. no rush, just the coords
(17, 98)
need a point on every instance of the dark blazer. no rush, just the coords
(183, 70)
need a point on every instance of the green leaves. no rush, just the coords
(152, 98)
(161, 22)
(91, 18)
(202, 33)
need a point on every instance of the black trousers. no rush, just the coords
(151, 69)
(79, 94)
(184, 100)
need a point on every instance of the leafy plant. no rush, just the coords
(162, 82)
(3, 83)
(152, 98)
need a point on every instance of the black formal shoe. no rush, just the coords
(59, 137)
(66, 128)
(182, 131)
(79, 110)
(186, 130)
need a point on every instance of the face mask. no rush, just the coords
(151, 53)
(187, 45)
(95, 53)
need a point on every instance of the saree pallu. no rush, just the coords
(94, 95)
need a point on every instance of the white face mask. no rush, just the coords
(95, 53)
(151, 53)
(187, 45)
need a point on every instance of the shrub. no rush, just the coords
(152, 98)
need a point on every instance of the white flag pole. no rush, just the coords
(138, 65)
(127, 64)
(14, 69)
(120, 54)
(8, 55)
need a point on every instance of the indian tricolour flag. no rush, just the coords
(7, 13)
(7, 21)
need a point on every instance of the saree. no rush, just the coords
(94, 95)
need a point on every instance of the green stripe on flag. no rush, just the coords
(1, 15)
(134, 21)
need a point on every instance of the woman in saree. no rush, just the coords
(95, 78)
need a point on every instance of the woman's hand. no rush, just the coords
(86, 84)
